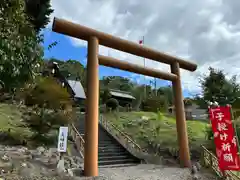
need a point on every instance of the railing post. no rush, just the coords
(92, 114)
(182, 134)
(202, 158)
(211, 160)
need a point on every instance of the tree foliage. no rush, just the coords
(52, 45)
(112, 103)
(46, 92)
(49, 106)
(74, 70)
(105, 96)
(140, 92)
(71, 69)
(20, 51)
(216, 87)
(167, 93)
(155, 104)
(116, 82)
(39, 12)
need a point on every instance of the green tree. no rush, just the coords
(167, 95)
(155, 104)
(20, 51)
(216, 87)
(138, 93)
(117, 82)
(39, 12)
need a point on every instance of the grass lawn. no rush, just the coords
(10, 118)
(155, 128)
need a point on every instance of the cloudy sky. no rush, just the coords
(206, 32)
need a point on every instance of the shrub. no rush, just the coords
(112, 103)
(49, 106)
(209, 138)
(44, 123)
(46, 92)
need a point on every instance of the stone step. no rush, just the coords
(119, 165)
(110, 151)
(109, 145)
(104, 154)
(113, 157)
(119, 161)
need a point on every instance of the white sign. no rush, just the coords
(62, 139)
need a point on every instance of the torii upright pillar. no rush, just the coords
(91, 120)
(184, 154)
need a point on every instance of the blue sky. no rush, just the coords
(66, 50)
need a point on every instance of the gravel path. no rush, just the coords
(20, 163)
(149, 172)
(139, 172)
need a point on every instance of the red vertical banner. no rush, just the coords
(224, 138)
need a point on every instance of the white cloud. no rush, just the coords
(204, 31)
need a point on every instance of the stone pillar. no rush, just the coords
(91, 119)
(184, 153)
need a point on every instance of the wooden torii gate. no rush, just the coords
(96, 38)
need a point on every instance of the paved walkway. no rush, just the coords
(149, 172)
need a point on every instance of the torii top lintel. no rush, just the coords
(81, 32)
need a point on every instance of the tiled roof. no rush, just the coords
(77, 89)
(121, 94)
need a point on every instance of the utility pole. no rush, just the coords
(154, 83)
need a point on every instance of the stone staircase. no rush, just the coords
(110, 151)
